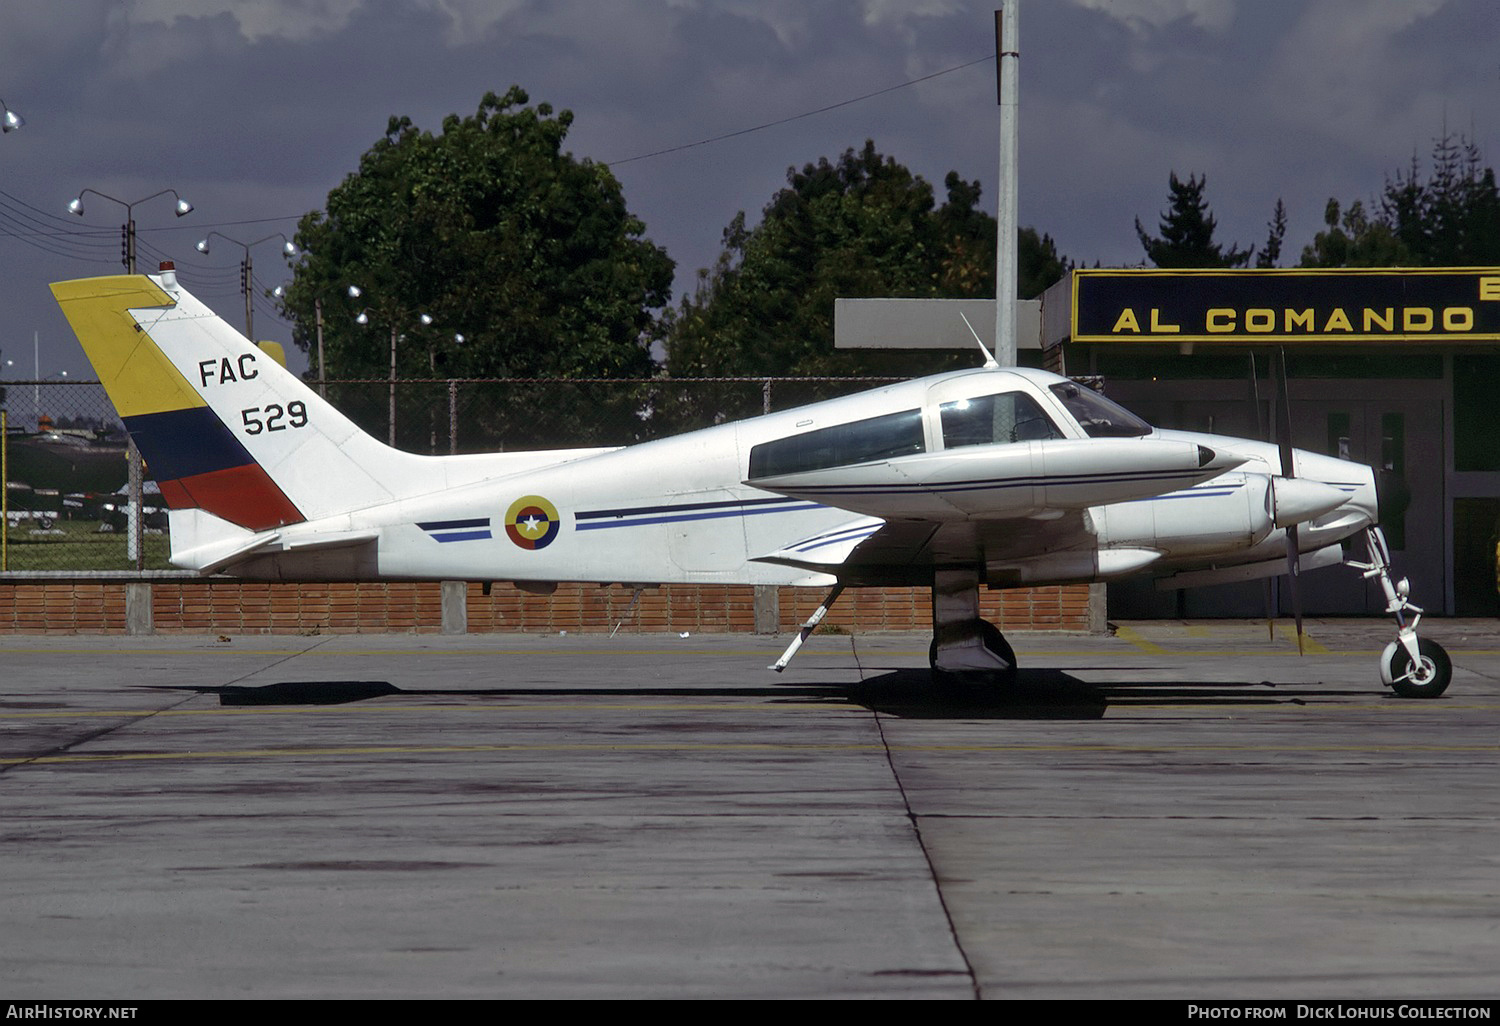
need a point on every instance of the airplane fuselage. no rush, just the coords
(991, 477)
(680, 509)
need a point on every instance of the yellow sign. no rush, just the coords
(1367, 305)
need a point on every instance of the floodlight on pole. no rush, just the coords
(11, 121)
(75, 206)
(426, 320)
(353, 292)
(288, 250)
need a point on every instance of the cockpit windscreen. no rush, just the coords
(1098, 416)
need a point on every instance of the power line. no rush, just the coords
(68, 226)
(807, 114)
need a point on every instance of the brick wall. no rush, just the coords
(65, 608)
(246, 607)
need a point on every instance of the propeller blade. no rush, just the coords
(1262, 431)
(1288, 470)
(1283, 416)
(1294, 585)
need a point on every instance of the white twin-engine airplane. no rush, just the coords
(991, 477)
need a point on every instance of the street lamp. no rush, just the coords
(426, 320)
(353, 292)
(11, 121)
(246, 268)
(183, 207)
(135, 549)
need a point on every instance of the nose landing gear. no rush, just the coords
(1412, 667)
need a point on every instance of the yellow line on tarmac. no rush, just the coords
(1310, 645)
(383, 653)
(345, 708)
(748, 747)
(1135, 637)
(1123, 701)
(605, 747)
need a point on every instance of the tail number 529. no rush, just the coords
(274, 417)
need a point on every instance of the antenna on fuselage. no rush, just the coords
(990, 363)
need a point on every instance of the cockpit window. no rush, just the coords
(864, 441)
(992, 419)
(1098, 416)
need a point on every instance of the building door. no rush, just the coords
(1402, 437)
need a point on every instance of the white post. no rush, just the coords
(1008, 57)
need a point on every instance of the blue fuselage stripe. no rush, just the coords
(637, 519)
(683, 507)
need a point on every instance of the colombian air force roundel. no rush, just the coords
(532, 522)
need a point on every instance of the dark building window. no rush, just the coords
(1476, 413)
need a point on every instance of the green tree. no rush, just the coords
(494, 231)
(1187, 231)
(1448, 219)
(1351, 238)
(863, 226)
(1270, 253)
(1038, 264)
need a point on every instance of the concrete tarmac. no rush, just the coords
(1176, 811)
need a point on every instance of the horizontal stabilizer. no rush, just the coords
(210, 545)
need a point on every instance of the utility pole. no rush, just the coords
(1007, 71)
(391, 436)
(247, 268)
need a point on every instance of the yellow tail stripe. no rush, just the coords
(137, 375)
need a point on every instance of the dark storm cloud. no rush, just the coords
(254, 109)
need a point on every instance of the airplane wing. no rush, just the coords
(869, 550)
(1022, 512)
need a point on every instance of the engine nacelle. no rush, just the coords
(1230, 512)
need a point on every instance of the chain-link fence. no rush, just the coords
(66, 494)
(509, 414)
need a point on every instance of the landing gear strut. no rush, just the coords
(962, 642)
(1413, 667)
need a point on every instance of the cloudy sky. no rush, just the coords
(254, 109)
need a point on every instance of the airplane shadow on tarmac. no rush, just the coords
(904, 692)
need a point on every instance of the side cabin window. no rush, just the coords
(1098, 416)
(992, 419)
(864, 441)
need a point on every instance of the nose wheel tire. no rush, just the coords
(1429, 679)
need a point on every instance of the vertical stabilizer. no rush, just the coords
(222, 426)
